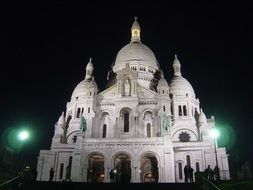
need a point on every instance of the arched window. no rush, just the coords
(148, 130)
(61, 171)
(188, 160)
(180, 110)
(197, 166)
(180, 170)
(163, 91)
(163, 108)
(78, 112)
(104, 131)
(184, 110)
(88, 109)
(126, 122)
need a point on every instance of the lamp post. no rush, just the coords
(22, 136)
(214, 133)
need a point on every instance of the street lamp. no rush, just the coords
(23, 135)
(214, 133)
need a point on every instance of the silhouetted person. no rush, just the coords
(216, 173)
(190, 172)
(207, 172)
(111, 175)
(211, 174)
(186, 174)
(51, 174)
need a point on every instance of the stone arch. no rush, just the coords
(145, 110)
(126, 115)
(103, 112)
(95, 162)
(193, 135)
(122, 164)
(70, 136)
(149, 167)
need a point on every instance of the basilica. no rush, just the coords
(141, 128)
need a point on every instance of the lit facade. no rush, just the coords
(140, 125)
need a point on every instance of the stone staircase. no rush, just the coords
(106, 186)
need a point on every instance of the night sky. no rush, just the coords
(46, 46)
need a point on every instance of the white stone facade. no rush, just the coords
(140, 125)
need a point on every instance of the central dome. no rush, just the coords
(135, 53)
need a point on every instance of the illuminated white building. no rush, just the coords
(140, 125)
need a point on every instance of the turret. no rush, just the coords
(89, 70)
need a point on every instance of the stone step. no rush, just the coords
(108, 186)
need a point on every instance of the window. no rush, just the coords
(188, 160)
(74, 139)
(197, 166)
(90, 93)
(78, 112)
(104, 131)
(126, 122)
(88, 109)
(163, 91)
(180, 110)
(148, 130)
(163, 108)
(184, 110)
(61, 171)
(180, 172)
(184, 137)
(171, 109)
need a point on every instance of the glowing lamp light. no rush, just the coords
(23, 135)
(115, 171)
(214, 133)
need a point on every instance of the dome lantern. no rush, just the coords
(176, 66)
(135, 31)
(89, 70)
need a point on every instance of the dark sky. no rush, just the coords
(46, 46)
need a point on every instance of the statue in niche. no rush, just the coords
(83, 124)
(148, 115)
(166, 123)
(127, 86)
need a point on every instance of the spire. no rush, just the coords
(89, 70)
(176, 66)
(135, 31)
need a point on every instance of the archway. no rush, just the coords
(149, 169)
(95, 172)
(122, 164)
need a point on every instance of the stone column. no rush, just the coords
(76, 162)
(107, 169)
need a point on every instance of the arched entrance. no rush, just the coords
(149, 168)
(95, 172)
(122, 164)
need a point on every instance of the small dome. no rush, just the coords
(180, 86)
(83, 88)
(61, 120)
(202, 118)
(162, 83)
(135, 52)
